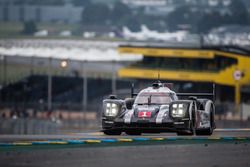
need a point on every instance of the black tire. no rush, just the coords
(208, 131)
(129, 103)
(185, 133)
(133, 133)
(112, 132)
(191, 130)
(203, 133)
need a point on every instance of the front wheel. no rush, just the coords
(185, 133)
(133, 133)
(208, 131)
(205, 132)
(112, 132)
(191, 130)
(188, 132)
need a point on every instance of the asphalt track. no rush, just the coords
(226, 147)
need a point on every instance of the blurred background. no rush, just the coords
(60, 58)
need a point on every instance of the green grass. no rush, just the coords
(14, 30)
(10, 29)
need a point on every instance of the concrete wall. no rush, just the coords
(245, 111)
(46, 126)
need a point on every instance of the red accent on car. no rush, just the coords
(144, 114)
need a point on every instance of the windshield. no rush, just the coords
(153, 99)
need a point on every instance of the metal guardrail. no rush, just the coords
(28, 126)
(42, 107)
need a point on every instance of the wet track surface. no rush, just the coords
(227, 147)
(99, 135)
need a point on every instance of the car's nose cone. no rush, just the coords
(146, 111)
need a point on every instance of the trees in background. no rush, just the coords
(96, 14)
(200, 21)
(191, 17)
(182, 16)
(101, 14)
(34, 2)
(239, 11)
(29, 28)
(81, 2)
(238, 15)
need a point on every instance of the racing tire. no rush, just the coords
(185, 133)
(208, 131)
(133, 133)
(112, 132)
(190, 132)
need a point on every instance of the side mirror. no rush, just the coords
(112, 97)
(192, 98)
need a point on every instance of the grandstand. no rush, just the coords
(31, 92)
(227, 66)
(20, 58)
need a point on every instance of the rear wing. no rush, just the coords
(180, 94)
(133, 94)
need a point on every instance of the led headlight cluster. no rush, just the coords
(111, 109)
(178, 110)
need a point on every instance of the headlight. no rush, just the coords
(111, 109)
(178, 110)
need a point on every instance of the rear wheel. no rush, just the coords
(112, 132)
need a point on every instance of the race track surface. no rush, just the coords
(244, 132)
(227, 147)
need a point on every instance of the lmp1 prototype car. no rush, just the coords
(157, 109)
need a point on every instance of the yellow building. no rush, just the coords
(223, 65)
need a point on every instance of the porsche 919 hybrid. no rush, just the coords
(158, 109)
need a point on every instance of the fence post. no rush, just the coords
(49, 85)
(114, 78)
(84, 89)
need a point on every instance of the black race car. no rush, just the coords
(157, 109)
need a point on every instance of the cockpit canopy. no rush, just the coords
(159, 93)
(154, 98)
